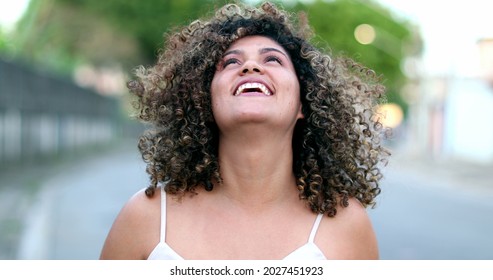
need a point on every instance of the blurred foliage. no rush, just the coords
(145, 21)
(3, 41)
(334, 24)
(66, 33)
(63, 34)
(6, 46)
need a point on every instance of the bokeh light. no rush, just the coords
(365, 34)
(391, 114)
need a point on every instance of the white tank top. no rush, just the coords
(162, 251)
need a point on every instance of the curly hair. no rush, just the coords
(337, 146)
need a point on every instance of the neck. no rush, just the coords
(257, 171)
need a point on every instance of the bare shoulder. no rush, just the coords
(348, 235)
(135, 231)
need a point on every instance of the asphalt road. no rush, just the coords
(417, 218)
(419, 214)
(76, 208)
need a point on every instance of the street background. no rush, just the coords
(439, 211)
(68, 150)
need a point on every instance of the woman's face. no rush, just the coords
(255, 82)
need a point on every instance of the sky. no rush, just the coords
(450, 29)
(10, 11)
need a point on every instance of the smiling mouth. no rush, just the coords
(252, 88)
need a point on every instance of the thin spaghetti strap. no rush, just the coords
(315, 228)
(163, 215)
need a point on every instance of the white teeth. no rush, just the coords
(260, 86)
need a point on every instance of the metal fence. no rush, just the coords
(42, 115)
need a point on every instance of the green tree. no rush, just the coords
(65, 33)
(6, 46)
(334, 23)
(3, 42)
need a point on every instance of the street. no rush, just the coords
(76, 208)
(415, 217)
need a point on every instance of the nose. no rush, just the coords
(250, 67)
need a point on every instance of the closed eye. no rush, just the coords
(230, 61)
(273, 58)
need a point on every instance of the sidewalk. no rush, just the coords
(74, 209)
(451, 174)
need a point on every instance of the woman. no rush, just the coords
(262, 147)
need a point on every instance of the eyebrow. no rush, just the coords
(261, 51)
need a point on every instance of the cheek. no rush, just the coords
(294, 88)
(215, 96)
(218, 85)
(214, 104)
(296, 102)
(213, 88)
